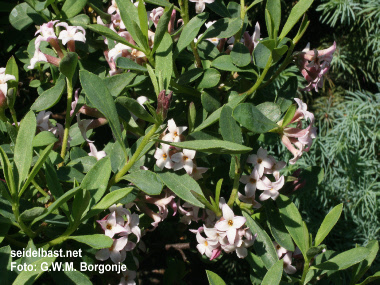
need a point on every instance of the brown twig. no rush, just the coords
(179, 247)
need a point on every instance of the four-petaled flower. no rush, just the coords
(200, 5)
(230, 223)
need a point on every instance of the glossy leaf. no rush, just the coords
(146, 181)
(128, 64)
(50, 97)
(29, 277)
(210, 101)
(229, 129)
(274, 9)
(214, 279)
(293, 223)
(23, 153)
(31, 214)
(162, 28)
(223, 28)
(224, 62)
(97, 241)
(240, 55)
(251, 118)
(263, 245)
(8, 172)
(261, 55)
(361, 268)
(314, 250)
(22, 16)
(135, 108)
(212, 119)
(181, 185)
(72, 7)
(210, 78)
(219, 8)
(68, 64)
(102, 100)
(370, 279)
(270, 110)
(164, 61)
(117, 83)
(190, 76)
(274, 274)
(328, 223)
(12, 69)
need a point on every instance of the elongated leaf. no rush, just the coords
(12, 69)
(8, 172)
(143, 18)
(214, 279)
(163, 3)
(31, 214)
(252, 119)
(37, 166)
(135, 108)
(212, 119)
(7, 275)
(181, 185)
(371, 278)
(190, 32)
(96, 180)
(80, 205)
(102, 100)
(343, 260)
(44, 138)
(212, 146)
(190, 76)
(273, 276)
(50, 97)
(126, 63)
(146, 181)
(298, 10)
(274, 9)
(359, 269)
(219, 8)
(257, 266)
(263, 245)
(210, 100)
(277, 227)
(29, 277)
(164, 61)
(24, 146)
(97, 241)
(293, 223)
(117, 83)
(111, 35)
(72, 7)
(328, 223)
(162, 28)
(107, 201)
(228, 127)
(223, 28)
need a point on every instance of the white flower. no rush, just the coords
(250, 183)
(197, 172)
(205, 245)
(83, 125)
(117, 51)
(43, 123)
(163, 158)
(38, 55)
(46, 31)
(128, 278)
(156, 14)
(270, 188)
(188, 215)
(132, 225)
(115, 252)
(174, 132)
(184, 159)
(200, 5)
(110, 225)
(71, 33)
(276, 167)
(95, 153)
(120, 211)
(286, 256)
(260, 161)
(230, 224)
(3, 81)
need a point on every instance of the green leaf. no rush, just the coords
(287, 93)
(251, 118)
(289, 115)
(210, 78)
(102, 100)
(213, 118)
(4, 228)
(146, 181)
(343, 260)
(50, 97)
(80, 205)
(60, 201)
(70, 277)
(163, 3)
(257, 267)
(298, 10)
(108, 201)
(240, 55)
(126, 63)
(229, 129)
(359, 269)
(37, 166)
(31, 214)
(270, 110)
(314, 250)
(68, 65)
(190, 76)
(371, 278)
(104, 31)
(164, 60)
(211, 146)
(162, 28)
(189, 33)
(181, 185)
(8, 172)
(29, 277)
(22, 16)
(72, 7)
(214, 279)
(263, 245)
(223, 28)
(7, 275)
(210, 100)
(12, 69)
(117, 83)
(274, 274)
(293, 223)
(96, 180)
(277, 227)
(328, 223)
(135, 108)
(44, 138)
(97, 241)
(191, 116)
(261, 55)
(224, 62)
(274, 9)
(219, 8)
(143, 18)
(79, 20)
(24, 146)
(83, 164)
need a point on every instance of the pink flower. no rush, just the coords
(200, 5)
(46, 31)
(270, 188)
(128, 278)
(230, 223)
(174, 132)
(163, 157)
(115, 252)
(95, 153)
(314, 64)
(260, 161)
(184, 160)
(206, 245)
(197, 172)
(110, 225)
(155, 15)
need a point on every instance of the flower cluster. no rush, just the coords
(314, 64)
(46, 33)
(173, 158)
(262, 164)
(297, 139)
(227, 235)
(119, 225)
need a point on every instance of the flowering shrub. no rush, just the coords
(180, 96)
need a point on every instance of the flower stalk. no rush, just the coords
(68, 120)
